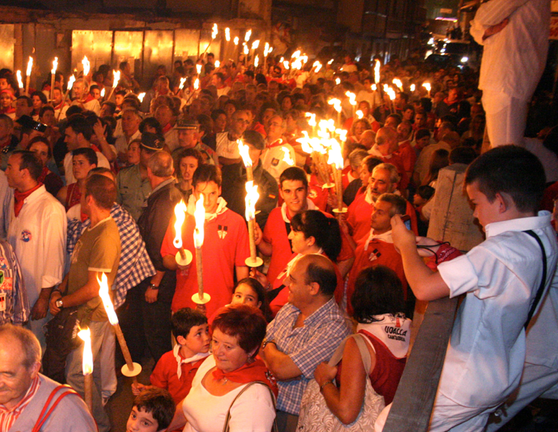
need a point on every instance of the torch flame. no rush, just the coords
(105, 297)
(296, 54)
(266, 49)
(29, 66)
(256, 61)
(330, 62)
(286, 64)
(54, 66)
(197, 84)
(377, 65)
(255, 44)
(336, 104)
(235, 40)
(140, 96)
(214, 31)
(337, 81)
(116, 78)
(180, 213)
(71, 81)
(199, 216)
(427, 87)
(391, 93)
(198, 68)
(335, 154)
(352, 97)
(413, 88)
(19, 80)
(217, 63)
(246, 50)
(317, 66)
(287, 158)
(243, 150)
(374, 87)
(182, 82)
(103, 93)
(87, 359)
(311, 119)
(248, 35)
(86, 66)
(252, 197)
(359, 114)
(228, 34)
(397, 82)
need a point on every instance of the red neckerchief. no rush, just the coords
(250, 372)
(448, 103)
(167, 128)
(43, 175)
(19, 198)
(95, 148)
(276, 143)
(89, 98)
(8, 110)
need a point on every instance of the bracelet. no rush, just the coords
(326, 383)
(154, 287)
(268, 342)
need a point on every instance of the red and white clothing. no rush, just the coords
(226, 147)
(317, 193)
(225, 247)
(276, 231)
(373, 251)
(8, 417)
(175, 373)
(408, 155)
(89, 104)
(69, 174)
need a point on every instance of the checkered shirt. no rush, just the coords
(307, 346)
(135, 264)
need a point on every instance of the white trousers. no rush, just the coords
(506, 117)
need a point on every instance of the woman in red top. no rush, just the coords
(377, 303)
(83, 161)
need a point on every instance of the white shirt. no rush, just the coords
(513, 59)
(38, 236)
(122, 143)
(171, 139)
(273, 159)
(547, 157)
(225, 147)
(500, 277)
(252, 412)
(69, 174)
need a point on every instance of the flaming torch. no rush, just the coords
(235, 41)
(140, 96)
(28, 74)
(19, 80)
(130, 369)
(87, 367)
(201, 297)
(337, 106)
(336, 162)
(377, 65)
(115, 80)
(53, 76)
(86, 66)
(287, 158)
(71, 81)
(428, 87)
(244, 153)
(352, 101)
(184, 256)
(104, 92)
(252, 197)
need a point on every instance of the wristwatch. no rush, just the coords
(153, 287)
(59, 303)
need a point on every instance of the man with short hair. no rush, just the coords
(218, 80)
(273, 158)
(189, 137)
(23, 106)
(97, 252)
(167, 118)
(225, 246)
(37, 233)
(156, 293)
(59, 103)
(385, 149)
(78, 134)
(226, 142)
(83, 98)
(274, 242)
(26, 393)
(132, 184)
(377, 248)
(305, 332)
(131, 120)
(405, 150)
(503, 282)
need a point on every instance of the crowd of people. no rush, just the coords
(90, 186)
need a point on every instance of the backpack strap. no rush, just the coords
(540, 291)
(361, 344)
(48, 408)
(246, 387)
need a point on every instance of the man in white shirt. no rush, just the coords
(37, 233)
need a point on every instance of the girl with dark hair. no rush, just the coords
(312, 232)
(251, 292)
(378, 304)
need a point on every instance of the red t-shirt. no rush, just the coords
(407, 155)
(164, 376)
(225, 246)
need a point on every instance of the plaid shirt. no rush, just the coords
(135, 264)
(14, 306)
(307, 346)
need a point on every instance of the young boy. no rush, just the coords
(153, 411)
(175, 370)
(500, 279)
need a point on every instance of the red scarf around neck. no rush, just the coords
(250, 372)
(19, 198)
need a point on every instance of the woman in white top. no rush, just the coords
(222, 383)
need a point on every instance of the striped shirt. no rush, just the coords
(307, 346)
(135, 264)
(8, 417)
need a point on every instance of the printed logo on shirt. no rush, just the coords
(374, 255)
(312, 194)
(26, 236)
(395, 333)
(275, 162)
(222, 231)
